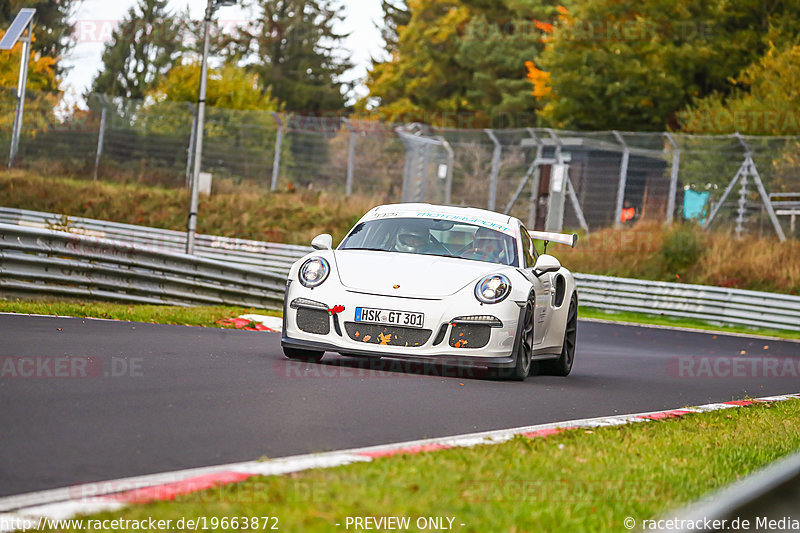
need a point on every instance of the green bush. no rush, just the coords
(681, 249)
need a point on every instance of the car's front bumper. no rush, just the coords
(497, 352)
(455, 360)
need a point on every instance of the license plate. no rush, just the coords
(387, 316)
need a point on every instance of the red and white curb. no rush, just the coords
(112, 495)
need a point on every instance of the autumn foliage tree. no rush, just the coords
(766, 100)
(42, 82)
(229, 86)
(629, 65)
(461, 63)
(52, 26)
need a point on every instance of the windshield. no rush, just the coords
(433, 237)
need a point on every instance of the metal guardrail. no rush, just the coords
(40, 262)
(264, 255)
(766, 501)
(714, 304)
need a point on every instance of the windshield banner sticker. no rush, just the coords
(444, 216)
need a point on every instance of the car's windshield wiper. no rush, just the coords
(443, 255)
(365, 248)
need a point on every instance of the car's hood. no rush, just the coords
(422, 276)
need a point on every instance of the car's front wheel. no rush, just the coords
(297, 354)
(524, 347)
(563, 365)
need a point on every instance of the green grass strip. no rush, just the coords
(159, 314)
(208, 316)
(579, 480)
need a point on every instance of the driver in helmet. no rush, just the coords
(413, 237)
(487, 245)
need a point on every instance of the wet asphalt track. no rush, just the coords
(186, 397)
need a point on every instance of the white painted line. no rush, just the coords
(108, 495)
(298, 463)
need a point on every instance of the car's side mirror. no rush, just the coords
(322, 242)
(546, 263)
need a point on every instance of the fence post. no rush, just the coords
(100, 137)
(557, 193)
(495, 169)
(424, 163)
(673, 180)
(533, 200)
(351, 155)
(451, 157)
(190, 153)
(760, 186)
(276, 164)
(623, 179)
(21, 88)
(407, 176)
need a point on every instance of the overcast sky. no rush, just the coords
(96, 19)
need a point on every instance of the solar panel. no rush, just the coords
(14, 31)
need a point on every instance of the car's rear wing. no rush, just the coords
(561, 238)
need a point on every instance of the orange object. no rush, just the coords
(627, 214)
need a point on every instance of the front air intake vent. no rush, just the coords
(469, 335)
(314, 321)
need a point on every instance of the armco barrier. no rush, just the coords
(766, 500)
(45, 262)
(265, 255)
(715, 304)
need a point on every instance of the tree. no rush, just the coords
(41, 69)
(292, 46)
(766, 101)
(229, 87)
(611, 64)
(52, 27)
(42, 78)
(461, 63)
(395, 15)
(144, 47)
(237, 113)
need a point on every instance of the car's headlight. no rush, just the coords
(314, 271)
(493, 289)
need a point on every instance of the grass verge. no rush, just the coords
(208, 316)
(580, 480)
(291, 217)
(158, 314)
(663, 320)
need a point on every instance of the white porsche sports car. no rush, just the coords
(441, 284)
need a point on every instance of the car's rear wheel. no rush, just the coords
(297, 354)
(563, 365)
(524, 347)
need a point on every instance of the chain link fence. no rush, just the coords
(555, 180)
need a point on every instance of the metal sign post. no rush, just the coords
(21, 30)
(191, 224)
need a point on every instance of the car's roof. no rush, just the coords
(443, 209)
